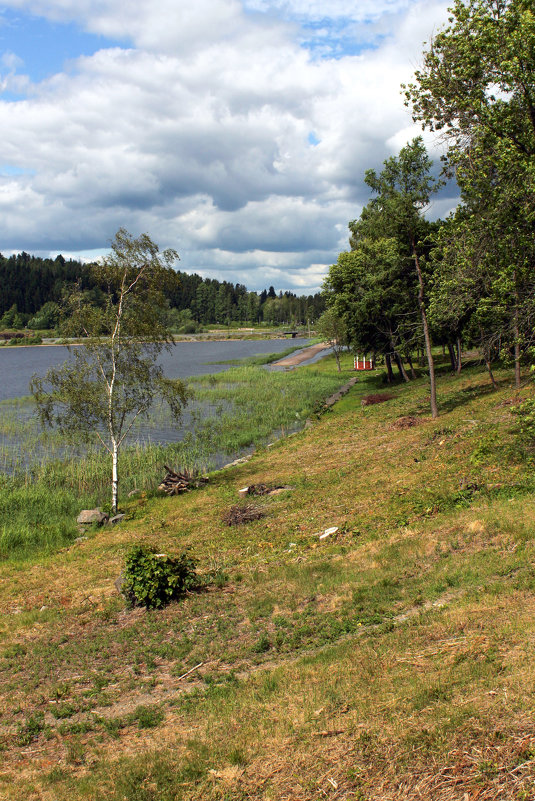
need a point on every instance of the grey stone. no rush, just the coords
(89, 516)
(117, 519)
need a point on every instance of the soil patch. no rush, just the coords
(237, 515)
(378, 397)
(409, 421)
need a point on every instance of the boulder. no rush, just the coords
(117, 519)
(89, 516)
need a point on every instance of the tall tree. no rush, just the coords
(403, 192)
(368, 290)
(477, 87)
(114, 378)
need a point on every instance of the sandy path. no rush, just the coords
(302, 356)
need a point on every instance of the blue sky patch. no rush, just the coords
(41, 46)
(9, 170)
(336, 38)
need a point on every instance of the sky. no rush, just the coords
(234, 131)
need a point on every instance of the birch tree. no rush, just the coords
(113, 377)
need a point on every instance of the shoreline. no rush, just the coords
(238, 338)
(303, 356)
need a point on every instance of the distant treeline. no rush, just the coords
(32, 289)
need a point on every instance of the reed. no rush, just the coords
(46, 479)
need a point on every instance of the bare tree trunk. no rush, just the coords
(516, 332)
(389, 373)
(489, 368)
(114, 479)
(409, 362)
(336, 350)
(452, 357)
(459, 355)
(401, 369)
(427, 338)
(486, 355)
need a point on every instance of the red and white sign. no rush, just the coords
(363, 363)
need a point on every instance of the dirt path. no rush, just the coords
(302, 355)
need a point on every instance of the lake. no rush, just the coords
(184, 359)
(22, 441)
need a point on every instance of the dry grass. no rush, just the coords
(393, 660)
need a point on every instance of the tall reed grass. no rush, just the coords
(45, 480)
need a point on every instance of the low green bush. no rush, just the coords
(153, 580)
(525, 413)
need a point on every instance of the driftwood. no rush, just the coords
(175, 483)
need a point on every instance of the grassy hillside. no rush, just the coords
(393, 659)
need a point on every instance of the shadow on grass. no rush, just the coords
(460, 397)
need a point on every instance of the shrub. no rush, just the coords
(153, 580)
(525, 413)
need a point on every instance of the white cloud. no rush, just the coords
(319, 10)
(198, 132)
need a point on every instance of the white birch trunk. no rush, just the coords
(114, 478)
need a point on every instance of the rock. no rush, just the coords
(238, 461)
(89, 516)
(78, 540)
(117, 519)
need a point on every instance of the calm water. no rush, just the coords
(24, 443)
(18, 364)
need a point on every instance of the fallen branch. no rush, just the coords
(333, 733)
(238, 514)
(175, 483)
(191, 670)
